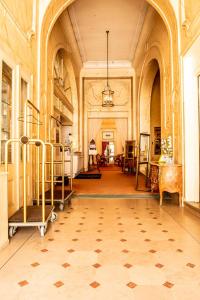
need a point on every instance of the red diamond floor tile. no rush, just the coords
(131, 285)
(128, 266)
(35, 264)
(66, 265)
(58, 284)
(125, 251)
(152, 251)
(96, 265)
(94, 284)
(44, 250)
(159, 266)
(98, 251)
(23, 283)
(190, 265)
(168, 284)
(70, 250)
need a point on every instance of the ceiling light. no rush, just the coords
(107, 93)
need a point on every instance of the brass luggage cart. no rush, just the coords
(61, 195)
(30, 216)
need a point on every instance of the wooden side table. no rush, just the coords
(170, 180)
(166, 178)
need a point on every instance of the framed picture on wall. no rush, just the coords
(108, 135)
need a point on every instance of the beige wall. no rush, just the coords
(191, 67)
(18, 50)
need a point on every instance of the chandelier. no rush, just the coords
(107, 93)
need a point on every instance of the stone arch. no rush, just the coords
(145, 95)
(152, 63)
(166, 11)
(72, 80)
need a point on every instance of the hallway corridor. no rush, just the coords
(113, 182)
(114, 248)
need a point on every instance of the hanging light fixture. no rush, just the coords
(107, 93)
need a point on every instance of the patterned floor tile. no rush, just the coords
(94, 284)
(35, 264)
(96, 265)
(131, 285)
(23, 283)
(58, 284)
(65, 265)
(168, 284)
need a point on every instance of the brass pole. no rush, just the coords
(25, 166)
(63, 171)
(43, 174)
(71, 168)
(52, 173)
(43, 182)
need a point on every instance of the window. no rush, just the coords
(6, 110)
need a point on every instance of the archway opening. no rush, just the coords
(155, 119)
(146, 41)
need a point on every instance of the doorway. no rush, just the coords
(155, 119)
(108, 151)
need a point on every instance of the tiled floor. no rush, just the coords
(106, 248)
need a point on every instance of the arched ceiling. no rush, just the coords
(91, 18)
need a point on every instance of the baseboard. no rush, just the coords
(123, 196)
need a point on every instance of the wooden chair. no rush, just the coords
(101, 161)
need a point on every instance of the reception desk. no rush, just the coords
(166, 178)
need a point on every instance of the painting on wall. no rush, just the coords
(108, 135)
(157, 140)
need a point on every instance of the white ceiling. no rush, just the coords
(123, 18)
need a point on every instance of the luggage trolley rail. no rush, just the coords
(61, 196)
(30, 216)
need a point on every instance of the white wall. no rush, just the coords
(191, 68)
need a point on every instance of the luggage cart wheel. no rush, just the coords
(53, 216)
(61, 206)
(42, 230)
(12, 230)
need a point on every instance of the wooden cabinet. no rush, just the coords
(169, 179)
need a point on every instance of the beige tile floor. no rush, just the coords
(106, 249)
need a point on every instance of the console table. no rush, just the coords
(166, 177)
